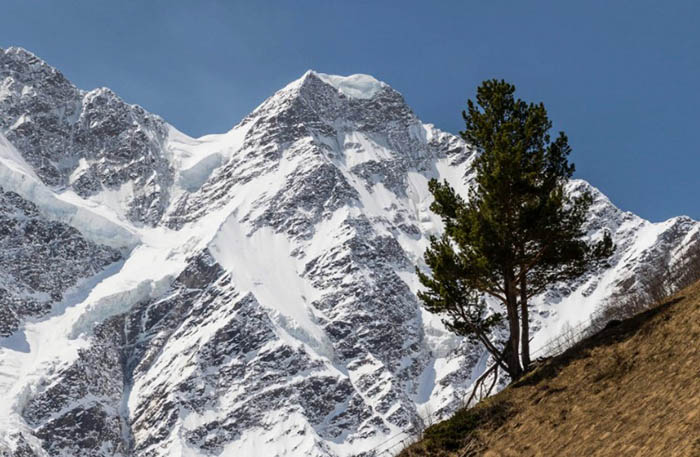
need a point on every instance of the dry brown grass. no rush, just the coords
(631, 390)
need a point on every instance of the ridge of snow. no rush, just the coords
(195, 159)
(358, 86)
(17, 176)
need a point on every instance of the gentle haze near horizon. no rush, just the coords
(619, 77)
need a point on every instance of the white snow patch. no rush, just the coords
(354, 86)
(17, 176)
(195, 159)
(261, 263)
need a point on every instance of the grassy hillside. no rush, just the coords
(631, 390)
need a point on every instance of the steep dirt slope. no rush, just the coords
(631, 390)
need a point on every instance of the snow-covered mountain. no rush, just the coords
(247, 293)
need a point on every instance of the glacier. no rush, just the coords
(244, 293)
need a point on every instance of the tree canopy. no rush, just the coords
(517, 232)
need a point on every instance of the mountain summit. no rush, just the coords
(244, 293)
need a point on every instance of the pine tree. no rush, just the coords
(518, 232)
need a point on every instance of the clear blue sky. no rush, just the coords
(620, 77)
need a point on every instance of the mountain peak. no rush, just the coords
(319, 98)
(18, 51)
(21, 56)
(353, 86)
(356, 86)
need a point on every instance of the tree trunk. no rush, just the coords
(525, 334)
(512, 361)
(511, 356)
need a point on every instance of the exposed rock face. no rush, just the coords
(323, 133)
(241, 352)
(269, 307)
(92, 142)
(91, 426)
(39, 261)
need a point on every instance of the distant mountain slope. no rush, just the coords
(90, 142)
(39, 261)
(265, 301)
(633, 389)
